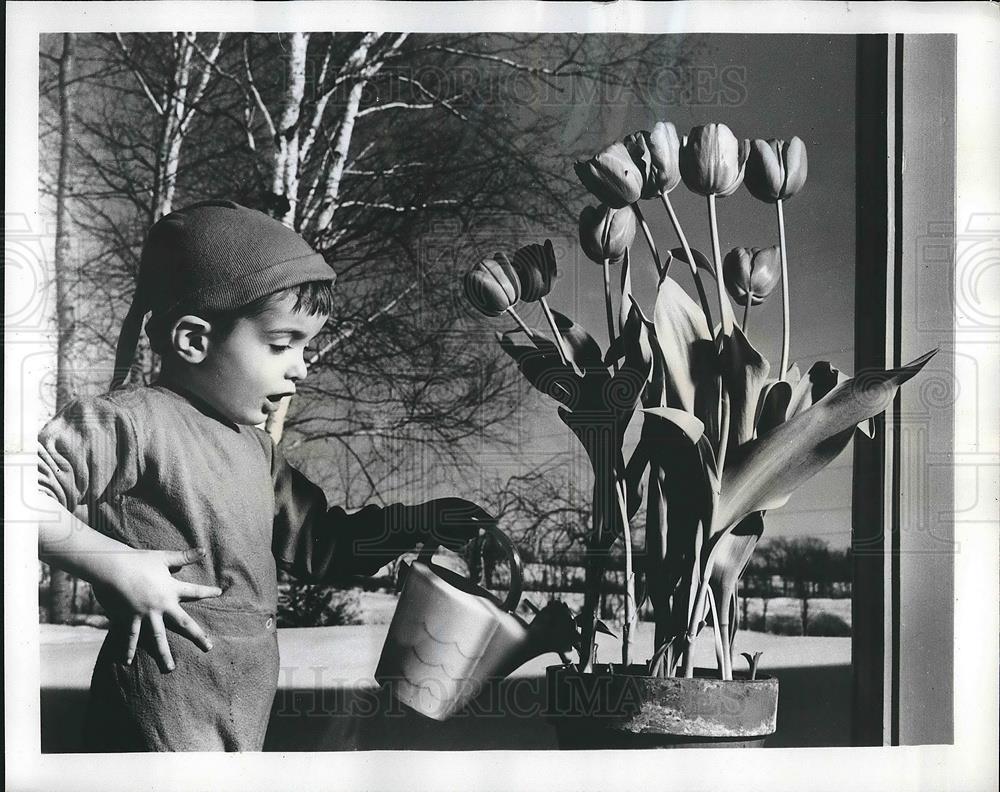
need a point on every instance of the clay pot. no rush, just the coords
(619, 707)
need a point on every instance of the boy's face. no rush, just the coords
(247, 372)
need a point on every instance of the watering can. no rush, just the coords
(449, 636)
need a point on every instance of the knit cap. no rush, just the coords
(213, 256)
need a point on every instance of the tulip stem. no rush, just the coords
(726, 331)
(649, 238)
(746, 314)
(528, 331)
(785, 313)
(629, 615)
(626, 290)
(609, 309)
(555, 331)
(690, 257)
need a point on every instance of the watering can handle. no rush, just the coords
(513, 557)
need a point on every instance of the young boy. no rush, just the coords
(174, 478)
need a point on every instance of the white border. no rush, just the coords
(970, 764)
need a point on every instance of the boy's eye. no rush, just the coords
(280, 347)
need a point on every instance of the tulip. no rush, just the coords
(751, 273)
(535, 266)
(712, 160)
(606, 233)
(776, 169)
(637, 145)
(611, 176)
(656, 154)
(492, 286)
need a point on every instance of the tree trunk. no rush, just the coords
(285, 178)
(345, 130)
(60, 583)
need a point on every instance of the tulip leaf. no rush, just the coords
(543, 369)
(767, 470)
(685, 344)
(601, 627)
(745, 372)
(634, 471)
(683, 484)
(821, 378)
(687, 423)
(772, 408)
(730, 553)
(581, 346)
(701, 261)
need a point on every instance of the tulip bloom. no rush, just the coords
(656, 154)
(776, 169)
(606, 233)
(750, 274)
(492, 285)
(611, 176)
(535, 266)
(712, 160)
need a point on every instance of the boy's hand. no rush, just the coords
(450, 522)
(145, 590)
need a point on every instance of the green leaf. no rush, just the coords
(769, 469)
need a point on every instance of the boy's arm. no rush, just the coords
(82, 452)
(136, 583)
(321, 544)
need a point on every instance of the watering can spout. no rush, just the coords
(553, 629)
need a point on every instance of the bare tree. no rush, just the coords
(804, 561)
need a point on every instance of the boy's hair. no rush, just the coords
(217, 260)
(313, 298)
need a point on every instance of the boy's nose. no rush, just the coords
(298, 370)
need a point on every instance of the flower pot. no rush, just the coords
(619, 707)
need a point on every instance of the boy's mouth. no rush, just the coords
(277, 397)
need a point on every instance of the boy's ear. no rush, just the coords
(189, 338)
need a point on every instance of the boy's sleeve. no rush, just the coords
(85, 448)
(317, 543)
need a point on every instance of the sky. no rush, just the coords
(760, 86)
